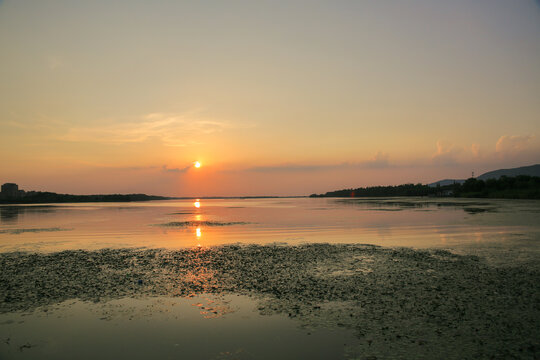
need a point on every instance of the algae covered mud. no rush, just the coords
(261, 279)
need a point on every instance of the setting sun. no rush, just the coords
(197, 164)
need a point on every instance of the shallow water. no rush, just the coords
(453, 277)
(177, 328)
(412, 222)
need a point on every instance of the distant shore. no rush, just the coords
(517, 187)
(49, 197)
(53, 198)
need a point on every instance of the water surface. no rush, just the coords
(415, 222)
(265, 278)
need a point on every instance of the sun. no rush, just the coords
(197, 164)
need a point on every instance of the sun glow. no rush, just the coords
(197, 204)
(197, 164)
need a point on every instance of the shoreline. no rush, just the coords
(3, 203)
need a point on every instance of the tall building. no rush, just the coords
(10, 190)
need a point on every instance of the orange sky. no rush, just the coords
(274, 98)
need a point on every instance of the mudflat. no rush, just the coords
(397, 302)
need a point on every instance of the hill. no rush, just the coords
(533, 170)
(446, 182)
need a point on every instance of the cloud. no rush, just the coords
(475, 150)
(291, 168)
(171, 129)
(518, 149)
(512, 145)
(380, 160)
(165, 169)
(447, 154)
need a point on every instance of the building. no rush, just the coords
(10, 191)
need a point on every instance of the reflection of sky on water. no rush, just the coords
(166, 328)
(416, 222)
(325, 299)
(11, 213)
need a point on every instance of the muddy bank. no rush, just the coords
(398, 302)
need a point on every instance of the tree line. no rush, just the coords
(516, 187)
(50, 197)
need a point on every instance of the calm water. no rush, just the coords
(421, 223)
(258, 314)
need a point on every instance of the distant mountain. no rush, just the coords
(446, 182)
(533, 170)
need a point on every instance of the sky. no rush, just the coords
(272, 97)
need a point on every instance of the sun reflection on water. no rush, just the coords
(204, 282)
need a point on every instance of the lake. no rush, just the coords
(274, 277)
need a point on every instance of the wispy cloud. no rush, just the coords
(380, 160)
(292, 168)
(171, 129)
(36, 122)
(165, 169)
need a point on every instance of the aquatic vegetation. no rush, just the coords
(201, 223)
(422, 204)
(31, 230)
(476, 210)
(397, 301)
